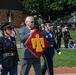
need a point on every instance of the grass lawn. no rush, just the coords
(66, 59)
(18, 38)
(73, 34)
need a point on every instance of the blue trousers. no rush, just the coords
(48, 65)
(11, 70)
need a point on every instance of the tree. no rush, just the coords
(52, 8)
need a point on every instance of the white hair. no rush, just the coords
(28, 18)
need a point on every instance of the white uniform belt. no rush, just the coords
(8, 54)
(50, 45)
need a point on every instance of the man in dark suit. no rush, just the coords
(49, 52)
(28, 58)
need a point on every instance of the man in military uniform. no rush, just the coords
(66, 38)
(8, 52)
(49, 52)
(59, 36)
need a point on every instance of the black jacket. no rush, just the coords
(8, 46)
(59, 34)
(66, 35)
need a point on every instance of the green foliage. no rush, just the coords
(18, 38)
(20, 55)
(49, 7)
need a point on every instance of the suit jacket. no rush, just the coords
(52, 44)
(24, 35)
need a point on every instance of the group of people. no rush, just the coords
(62, 34)
(28, 58)
(72, 43)
(9, 57)
(68, 40)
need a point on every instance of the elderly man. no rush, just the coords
(28, 58)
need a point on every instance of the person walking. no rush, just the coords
(28, 58)
(8, 52)
(49, 52)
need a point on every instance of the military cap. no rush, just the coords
(48, 21)
(42, 24)
(66, 27)
(6, 26)
(49, 24)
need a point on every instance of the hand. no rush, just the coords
(18, 62)
(31, 31)
(59, 53)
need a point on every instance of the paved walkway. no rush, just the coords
(57, 71)
(67, 74)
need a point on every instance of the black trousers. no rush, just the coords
(66, 43)
(59, 43)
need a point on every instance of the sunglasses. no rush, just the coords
(31, 21)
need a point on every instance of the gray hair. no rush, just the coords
(28, 18)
